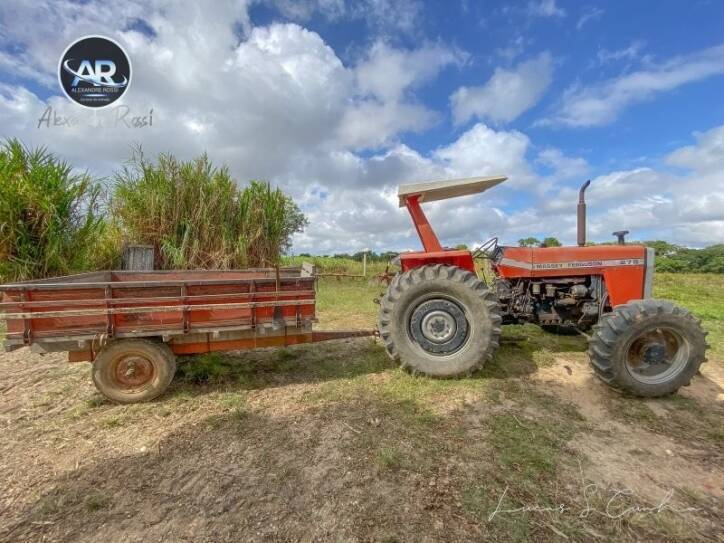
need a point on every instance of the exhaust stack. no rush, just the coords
(582, 214)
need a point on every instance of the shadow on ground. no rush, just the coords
(322, 474)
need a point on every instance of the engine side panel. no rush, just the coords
(623, 267)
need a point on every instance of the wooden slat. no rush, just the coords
(152, 309)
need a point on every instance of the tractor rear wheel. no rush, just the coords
(647, 347)
(439, 320)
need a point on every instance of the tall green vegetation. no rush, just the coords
(196, 217)
(677, 259)
(50, 217)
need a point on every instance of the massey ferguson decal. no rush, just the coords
(572, 265)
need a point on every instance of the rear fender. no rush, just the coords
(460, 258)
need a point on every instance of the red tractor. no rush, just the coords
(439, 318)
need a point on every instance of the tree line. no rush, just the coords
(669, 257)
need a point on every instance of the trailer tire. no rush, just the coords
(440, 321)
(647, 348)
(134, 370)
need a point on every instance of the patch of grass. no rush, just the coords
(348, 304)
(686, 419)
(97, 400)
(702, 294)
(525, 458)
(205, 368)
(114, 421)
(96, 502)
(232, 400)
(329, 264)
(285, 354)
(388, 459)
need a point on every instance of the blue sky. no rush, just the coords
(338, 102)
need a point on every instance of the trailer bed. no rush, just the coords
(191, 311)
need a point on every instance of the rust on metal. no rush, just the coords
(581, 215)
(192, 311)
(131, 370)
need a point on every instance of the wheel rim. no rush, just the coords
(439, 326)
(132, 372)
(657, 355)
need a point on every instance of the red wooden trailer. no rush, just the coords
(131, 325)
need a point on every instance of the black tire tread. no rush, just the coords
(611, 327)
(414, 277)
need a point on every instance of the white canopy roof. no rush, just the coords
(451, 188)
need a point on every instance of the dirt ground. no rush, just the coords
(332, 443)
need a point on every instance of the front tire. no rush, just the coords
(439, 320)
(648, 348)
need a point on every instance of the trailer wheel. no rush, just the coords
(134, 370)
(439, 320)
(647, 347)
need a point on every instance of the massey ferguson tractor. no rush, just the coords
(439, 318)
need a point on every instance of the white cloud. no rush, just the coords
(545, 8)
(513, 50)
(507, 94)
(484, 151)
(601, 103)
(277, 102)
(707, 156)
(632, 52)
(588, 14)
(655, 204)
(382, 108)
(383, 16)
(564, 167)
(387, 72)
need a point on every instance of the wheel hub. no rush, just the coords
(656, 356)
(654, 353)
(133, 371)
(439, 326)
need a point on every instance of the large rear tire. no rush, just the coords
(439, 320)
(648, 348)
(134, 370)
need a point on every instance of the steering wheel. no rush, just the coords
(487, 249)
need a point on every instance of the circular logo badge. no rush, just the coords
(94, 71)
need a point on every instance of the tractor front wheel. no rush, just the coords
(647, 347)
(439, 320)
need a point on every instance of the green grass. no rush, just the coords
(96, 502)
(328, 264)
(703, 295)
(349, 304)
